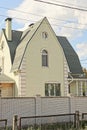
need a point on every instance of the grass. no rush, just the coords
(54, 126)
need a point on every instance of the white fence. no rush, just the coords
(37, 106)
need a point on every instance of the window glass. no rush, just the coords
(45, 35)
(57, 89)
(46, 90)
(44, 58)
(52, 89)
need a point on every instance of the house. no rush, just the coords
(37, 62)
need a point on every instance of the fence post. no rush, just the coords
(76, 119)
(19, 124)
(15, 119)
(6, 124)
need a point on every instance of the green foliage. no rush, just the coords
(54, 126)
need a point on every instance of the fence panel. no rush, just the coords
(37, 106)
(3, 124)
(16, 106)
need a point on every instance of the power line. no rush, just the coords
(83, 60)
(35, 14)
(51, 24)
(39, 16)
(68, 4)
(65, 6)
(67, 27)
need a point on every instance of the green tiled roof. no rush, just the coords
(71, 56)
(5, 79)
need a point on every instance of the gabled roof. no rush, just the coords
(71, 56)
(27, 35)
(5, 79)
(20, 41)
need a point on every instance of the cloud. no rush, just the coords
(58, 16)
(82, 53)
(82, 50)
(65, 22)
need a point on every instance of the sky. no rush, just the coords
(69, 22)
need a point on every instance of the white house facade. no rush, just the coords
(36, 63)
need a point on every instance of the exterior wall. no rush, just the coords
(6, 65)
(36, 75)
(6, 56)
(22, 78)
(73, 88)
(25, 107)
(5, 53)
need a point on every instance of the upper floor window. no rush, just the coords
(44, 58)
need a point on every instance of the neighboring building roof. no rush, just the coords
(5, 79)
(16, 35)
(71, 56)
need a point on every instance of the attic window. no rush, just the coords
(44, 35)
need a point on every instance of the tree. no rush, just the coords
(85, 72)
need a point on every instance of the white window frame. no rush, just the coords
(50, 89)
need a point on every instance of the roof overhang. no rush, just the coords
(78, 79)
(5, 79)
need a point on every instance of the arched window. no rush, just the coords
(44, 58)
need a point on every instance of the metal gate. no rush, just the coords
(3, 124)
(48, 122)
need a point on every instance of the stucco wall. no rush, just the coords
(36, 74)
(6, 65)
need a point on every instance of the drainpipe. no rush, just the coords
(70, 82)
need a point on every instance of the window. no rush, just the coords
(52, 89)
(44, 58)
(45, 35)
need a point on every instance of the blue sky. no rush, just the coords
(65, 22)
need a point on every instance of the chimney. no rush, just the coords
(8, 29)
